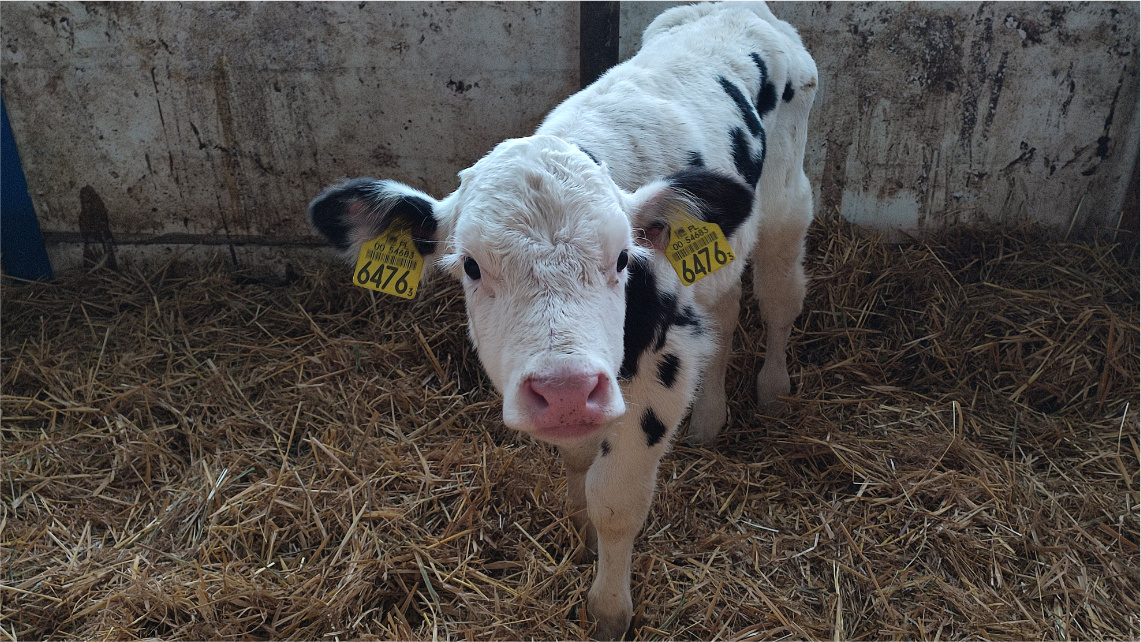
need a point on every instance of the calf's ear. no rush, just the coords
(701, 193)
(356, 211)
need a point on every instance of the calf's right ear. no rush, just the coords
(356, 211)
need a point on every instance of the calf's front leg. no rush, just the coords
(577, 460)
(619, 490)
(709, 408)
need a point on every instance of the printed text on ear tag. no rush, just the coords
(390, 263)
(696, 248)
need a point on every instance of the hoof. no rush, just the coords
(611, 616)
(771, 385)
(706, 420)
(613, 628)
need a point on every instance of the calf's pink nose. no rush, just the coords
(568, 398)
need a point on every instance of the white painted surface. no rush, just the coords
(225, 119)
(933, 113)
(221, 120)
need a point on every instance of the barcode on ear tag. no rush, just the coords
(390, 263)
(696, 248)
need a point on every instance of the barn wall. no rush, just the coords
(211, 126)
(207, 127)
(933, 113)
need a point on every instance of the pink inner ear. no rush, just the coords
(358, 214)
(651, 211)
(656, 236)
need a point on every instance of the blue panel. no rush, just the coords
(21, 244)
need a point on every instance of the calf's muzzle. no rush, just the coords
(569, 402)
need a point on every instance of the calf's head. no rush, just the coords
(543, 241)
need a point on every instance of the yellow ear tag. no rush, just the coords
(390, 263)
(696, 248)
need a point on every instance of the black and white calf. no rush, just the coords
(579, 320)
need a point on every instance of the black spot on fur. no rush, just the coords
(329, 214)
(588, 153)
(748, 112)
(688, 317)
(649, 314)
(748, 165)
(767, 96)
(695, 159)
(653, 427)
(667, 370)
(788, 92)
(761, 66)
(605, 448)
(723, 200)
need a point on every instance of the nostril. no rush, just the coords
(600, 395)
(533, 398)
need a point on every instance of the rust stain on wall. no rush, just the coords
(229, 150)
(835, 176)
(95, 226)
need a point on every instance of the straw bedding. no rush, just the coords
(199, 452)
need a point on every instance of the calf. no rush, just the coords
(595, 341)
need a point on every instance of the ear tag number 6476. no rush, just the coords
(390, 263)
(696, 248)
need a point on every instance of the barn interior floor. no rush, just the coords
(197, 453)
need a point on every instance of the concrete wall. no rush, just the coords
(212, 125)
(208, 126)
(931, 113)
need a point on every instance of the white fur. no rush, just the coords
(641, 118)
(546, 225)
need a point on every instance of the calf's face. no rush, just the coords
(542, 240)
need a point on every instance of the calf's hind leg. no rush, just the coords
(779, 284)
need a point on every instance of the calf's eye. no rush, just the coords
(471, 268)
(623, 259)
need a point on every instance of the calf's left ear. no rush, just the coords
(701, 193)
(356, 211)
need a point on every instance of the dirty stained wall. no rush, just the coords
(931, 113)
(204, 125)
(147, 127)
